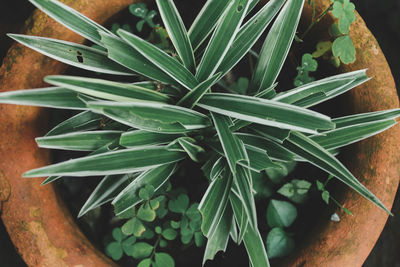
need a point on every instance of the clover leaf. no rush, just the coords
(142, 250)
(281, 213)
(296, 190)
(180, 204)
(279, 243)
(140, 10)
(344, 11)
(121, 244)
(163, 260)
(343, 48)
(308, 64)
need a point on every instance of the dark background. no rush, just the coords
(383, 19)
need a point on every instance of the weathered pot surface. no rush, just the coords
(45, 234)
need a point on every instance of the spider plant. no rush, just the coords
(174, 109)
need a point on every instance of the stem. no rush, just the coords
(316, 20)
(155, 246)
(340, 205)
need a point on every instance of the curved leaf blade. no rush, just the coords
(80, 141)
(51, 97)
(222, 38)
(276, 46)
(214, 201)
(84, 121)
(249, 34)
(151, 116)
(266, 112)
(125, 55)
(76, 55)
(109, 187)
(71, 19)
(141, 138)
(194, 96)
(162, 60)
(106, 89)
(177, 32)
(129, 197)
(306, 148)
(109, 163)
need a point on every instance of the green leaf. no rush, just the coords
(277, 176)
(192, 97)
(115, 162)
(244, 188)
(114, 250)
(252, 239)
(177, 32)
(146, 213)
(343, 48)
(275, 134)
(51, 97)
(322, 48)
(296, 190)
(109, 187)
(316, 92)
(84, 121)
(163, 260)
(180, 204)
(117, 234)
(139, 10)
(222, 38)
(106, 89)
(194, 151)
(279, 243)
(151, 116)
(129, 197)
(259, 160)
(141, 138)
(274, 150)
(199, 239)
(276, 46)
(147, 192)
(368, 117)
(206, 20)
(76, 55)
(280, 213)
(214, 201)
(80, 141)
(71, 19)
(133, 227)
(266, 112)
(120, 52)
(325, 196)
(169, 234)
(249, 33)
(306, 148)
(219, 240)
(351, 134)
(127, 245)
(141, 250)
(145, 263)
(308, 64)
(344, 12)
(161, 59)
(233, 147)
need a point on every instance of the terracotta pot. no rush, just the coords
(42, 229)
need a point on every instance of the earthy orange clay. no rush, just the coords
(45, 234)
(39, 225)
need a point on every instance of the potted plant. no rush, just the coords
(152, 126)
